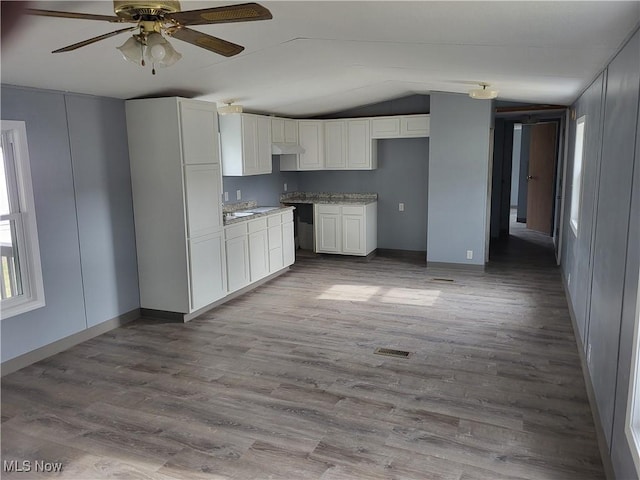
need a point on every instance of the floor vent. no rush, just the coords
(443, 279)
(389, 352)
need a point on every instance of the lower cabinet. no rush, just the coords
(237, 246)
(346, 229)
(257, 248)
(207, 272)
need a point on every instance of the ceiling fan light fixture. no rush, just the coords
(483, 93)
(131, 50)
(229, 108)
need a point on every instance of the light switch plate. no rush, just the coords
(238, 194)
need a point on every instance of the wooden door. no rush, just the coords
(542, 167)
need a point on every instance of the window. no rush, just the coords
(21, 286)
(576, 185)
(632, 428)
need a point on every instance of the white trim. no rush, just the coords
(31, 269)
(576, 177)
(632, 424)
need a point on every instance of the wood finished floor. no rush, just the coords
(282, 383)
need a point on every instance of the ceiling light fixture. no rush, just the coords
(483, 93)
(151, 44)
(229, 108)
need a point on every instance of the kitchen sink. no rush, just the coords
(263, 209)
(239, 214)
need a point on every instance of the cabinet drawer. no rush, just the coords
(287, 216)
(324, 208)
(257, 225)
(235, 231)
(274, 220)
(353, 210)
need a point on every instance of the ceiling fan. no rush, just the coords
(153, 19)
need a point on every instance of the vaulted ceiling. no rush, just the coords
(317, 57)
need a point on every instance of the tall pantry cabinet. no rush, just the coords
(177, 181)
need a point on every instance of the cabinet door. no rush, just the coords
(290, 131)
(385, 127)
(335, 146)
(275, 248)
(328, 233)
(258, 255)
(264, 145)
(311, 136)
(358, 144)
(277, 130)
(353, 234)
(414, 126)
(237, 263)
(249, 144)
(288, 244)
(204, 209)
(207, 270)
(199, 131)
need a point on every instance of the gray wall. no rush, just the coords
(601, 263)
(264, 189)
(515, 164)
(401, 177)
(82, 192)
(408, 105)
(458, 178)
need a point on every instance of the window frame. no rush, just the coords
(26, 230)
(577, 175)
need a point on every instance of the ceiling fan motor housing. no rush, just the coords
(140, 10)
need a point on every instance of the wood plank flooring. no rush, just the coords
(282, 383)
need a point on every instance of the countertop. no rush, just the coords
(326, 197)
(249, 210)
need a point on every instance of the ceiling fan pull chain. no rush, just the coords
(153, 68)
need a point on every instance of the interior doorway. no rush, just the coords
(541, 177)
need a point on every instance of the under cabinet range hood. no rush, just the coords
(286, 149)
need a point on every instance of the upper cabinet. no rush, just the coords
(335, 144)
(361, 153)
(401, 126)
(199, 133)
(284, 130)
(311, 137)
(245, 142)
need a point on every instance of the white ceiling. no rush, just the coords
(317, 57)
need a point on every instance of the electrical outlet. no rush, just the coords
(285, 187)
(401, 207)
(226, 196)
(469, 254)
(238, 195)
(589, 354)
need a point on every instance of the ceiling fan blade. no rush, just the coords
(80, 16)
(93, 40)
(245, 12)
(213, 44)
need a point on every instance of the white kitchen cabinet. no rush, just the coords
(276, 261)
(199, 132)
(335, 144)
(345, 229)
(414, 125)
(258, 249)
(204, 208)
(288, 243)
(237, 260)
(175, 178)
(245, 144)
(311, 138)
(284, 130)
(207, 269)
(385, 127)
(361, 155)
(400, 126)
